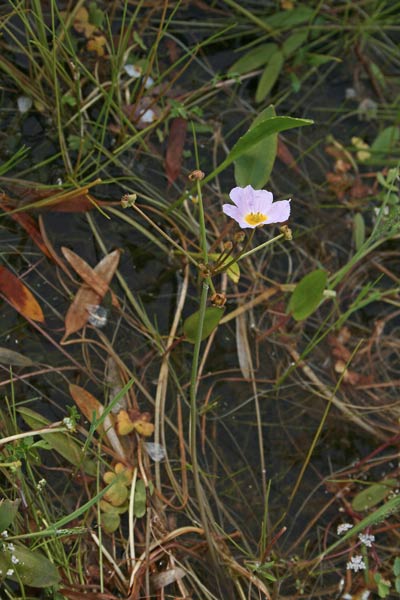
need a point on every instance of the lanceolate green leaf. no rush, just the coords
(8, 512)
(307, 295)
(253, 59)
(269, 75)
(233, 270)
(254, 136)
(384, 144)
(373, 494)
(212, 317)
(254, 166)
(59, 441)
(139, 507)
(32, 568)
(358, 230)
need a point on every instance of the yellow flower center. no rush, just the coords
(255, 218)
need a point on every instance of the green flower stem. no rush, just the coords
(364, 552)
(202, 224)
(240, 255)
(260, 247)
(210, 284)
(165, 235)
(204, 508)
(201, 498)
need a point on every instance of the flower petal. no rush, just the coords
(231, 211)
(262, 201)
(236, 195)
(235, 213)
(279, 211)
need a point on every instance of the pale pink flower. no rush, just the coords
(252, 207)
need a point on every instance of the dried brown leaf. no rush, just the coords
(29, 224)
(19, 296)
(86, 402)
(176, 143)
(285, 155)
(78, 314)
(89, 275)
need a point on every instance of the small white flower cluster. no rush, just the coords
(366, 539)
(356, 563)
(11, 548)
(343, 528)
(69, 424)
(41, 484)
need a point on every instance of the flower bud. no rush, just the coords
(218, 300)
(196, 175)
(239, 237)
(287, 232)
(128, 200)
(228, 246)
(204, 270)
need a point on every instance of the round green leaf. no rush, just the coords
(116, 494)
(307, 295)
(212, 317)
(110, 522)
(373, 494)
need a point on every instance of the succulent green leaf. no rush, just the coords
(212, 317)
(110, 521)
(8, 511)
(32, 568)
(117, 494)
(373, 494)
(307, 295)
(358, 230)
(254, 167)
(139, 508)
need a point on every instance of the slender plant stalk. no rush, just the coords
(201, 498)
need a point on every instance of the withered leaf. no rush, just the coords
(89, 275)
(29, 224)
(86, 402)
(176, 142)
(285, 155)
(19, 296)
(77, 315)
(92, 408)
